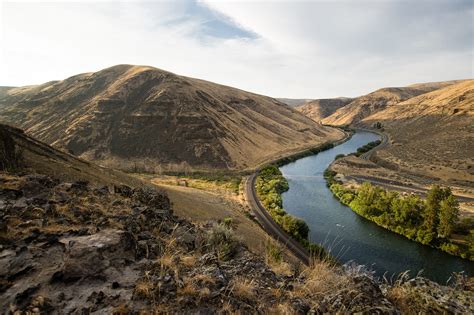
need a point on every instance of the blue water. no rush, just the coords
(351, 237)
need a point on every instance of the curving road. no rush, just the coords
(384, 141)
(269, 225)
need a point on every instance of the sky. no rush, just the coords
(294, 49)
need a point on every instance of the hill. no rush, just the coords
(366, 105)
(322, 108)
(432, 134)
(294, 102)
(21, 152)
(70, 246)
(187, 123)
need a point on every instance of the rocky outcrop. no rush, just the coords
(74, 248)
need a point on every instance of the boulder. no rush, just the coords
(89, 256)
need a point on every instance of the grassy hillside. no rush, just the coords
(366, 105)
(322, 108)
(294, 102)
(34, 156)
(432, 134)
(187, 123)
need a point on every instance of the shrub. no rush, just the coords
(222, 241)
(273, 251)
(228, 222)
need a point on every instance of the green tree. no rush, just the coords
(448, 216)
(407, 211)
(295, 226)
(432, 207)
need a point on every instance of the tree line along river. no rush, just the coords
(350, 237)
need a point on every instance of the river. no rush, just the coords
(350, 237)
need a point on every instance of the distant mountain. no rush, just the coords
(433, 133)
(364, 106)
(322, 108)
(294, 102)
(137, 116)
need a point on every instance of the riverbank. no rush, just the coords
(267, 188)
(348, 236)
(404, 217)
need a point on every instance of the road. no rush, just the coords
(384, 142)
(389, 184)
(269, 225)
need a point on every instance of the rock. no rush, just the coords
(39, 200)
(102, 191)
(208, 259)
(185, 238)
(152, 198)
(89, 256)
(32, 213)
(30, 223)
(80, 186)
(365, 297)
(62, 197)
(23, 298)
(6, 193)
(299, 306)
(123, 190)
(20, 204)
(14, 264)
(36, 184)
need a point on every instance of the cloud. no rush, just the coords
(283, 49)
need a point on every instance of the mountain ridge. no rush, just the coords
(366, 105)
(188, 123)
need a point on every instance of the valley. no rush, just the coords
(97, 161)
(236, 157)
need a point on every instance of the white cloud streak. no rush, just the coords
(301, 49)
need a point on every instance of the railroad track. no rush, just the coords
(269, 225)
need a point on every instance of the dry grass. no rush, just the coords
(278, 293)
(321, 278)
(121, 310)
(282, 309)
(274, 253)
(189, 289)
(204, 293)
(227, 308)
(406, 300)
(144, 289)
(243, 288)
(189, 261)
(204, 279)
(167, 261)
(281, 268)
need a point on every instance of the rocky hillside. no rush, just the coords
(432, 134)
(131, 116)
(294, 102)
(322, 108)
(78, 247)
(364, 106)
(31, 155)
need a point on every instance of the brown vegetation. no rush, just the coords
(188, 123)
(77, 247)
(322, 108)
(366, 105)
